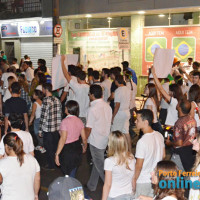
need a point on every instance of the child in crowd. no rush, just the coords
(36, 112)
(119, 169)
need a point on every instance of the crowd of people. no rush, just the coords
(94, 114)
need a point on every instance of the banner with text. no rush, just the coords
(184, 40)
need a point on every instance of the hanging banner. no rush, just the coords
(184, 40)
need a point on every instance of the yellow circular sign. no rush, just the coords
(123, 33)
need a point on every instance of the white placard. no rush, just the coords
(58, 79)
(163, 61)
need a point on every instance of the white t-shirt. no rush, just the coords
(38, 110)
(196, 116)
(18, 182)
(188, 68)
(169, 198)
(123, 96)
(172, 113)
(163, 103)
(5, 78)
(7, 95)
(149, 102)
(106, 85)
(121, 177)
(185, 89)
(99, 120)
(26, 139)
(15, 65)
(81, 92)
(133, 93)
(29, 74)
(150, 148)
(39, 87)
(69, 90)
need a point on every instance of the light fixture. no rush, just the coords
(88, 16)
(109, 18)
(161, 15)
(141, 12)
(42, 22)
(13, 24)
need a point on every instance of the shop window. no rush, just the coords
(188, 18)
(89, 23)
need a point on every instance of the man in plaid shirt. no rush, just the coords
(50, 123)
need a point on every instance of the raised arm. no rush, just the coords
(159, 86)
(65, 72)
(186, 74)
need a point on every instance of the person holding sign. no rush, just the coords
(81, 90)
(174, 96)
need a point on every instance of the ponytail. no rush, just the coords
(15, 143)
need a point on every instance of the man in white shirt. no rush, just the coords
(10, 72)
(121, 114)
(150, 149)
(81, 90)
(97, 130)
(188, 65)
(14, 63)
(106, 84)
(68, 93)
(29, 72)
(16, 121)
(95, 77)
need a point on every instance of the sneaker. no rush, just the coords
(42, 150)
(38, 148)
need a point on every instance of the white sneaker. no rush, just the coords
(42, 150)
(37, 148)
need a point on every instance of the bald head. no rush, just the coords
(185, 106)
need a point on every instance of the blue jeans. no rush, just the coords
(36, 131)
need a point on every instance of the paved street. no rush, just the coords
(83, 174)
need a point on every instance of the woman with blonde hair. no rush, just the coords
(119, 169)
(195, 194)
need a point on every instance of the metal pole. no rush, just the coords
(56, 20)
(122, 55)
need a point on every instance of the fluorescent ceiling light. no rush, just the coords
(88, 16)
(109, 18)
(141, 12)
(161, 15)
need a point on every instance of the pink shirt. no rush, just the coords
(73, 125)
